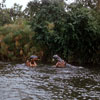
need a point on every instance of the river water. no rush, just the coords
(19, 82)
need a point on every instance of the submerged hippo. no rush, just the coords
(60, 62)
(32, 61)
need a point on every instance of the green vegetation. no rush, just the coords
(51, 27)
(15, 41)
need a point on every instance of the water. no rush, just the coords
(19, 82)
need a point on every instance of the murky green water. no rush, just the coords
(19, 82)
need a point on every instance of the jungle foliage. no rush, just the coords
(73, 34)
(15, 41)
(49, 27)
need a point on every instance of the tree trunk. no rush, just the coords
(98, 5)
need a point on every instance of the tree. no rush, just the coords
(47, 17)
(94, 4)
(16, 12)
(4, 14)
(73, 33)
(35, 6)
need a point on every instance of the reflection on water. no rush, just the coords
(19, 82)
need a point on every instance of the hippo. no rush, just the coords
(31, 61)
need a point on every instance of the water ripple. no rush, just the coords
(19, 82)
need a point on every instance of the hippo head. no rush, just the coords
(56, 57)
(33, 57)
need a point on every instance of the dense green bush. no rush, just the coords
(71, 31)
(73, 34)
(15, 42)
(86, 35)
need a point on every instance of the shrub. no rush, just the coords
(72, 34)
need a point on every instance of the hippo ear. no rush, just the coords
(55, 56)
